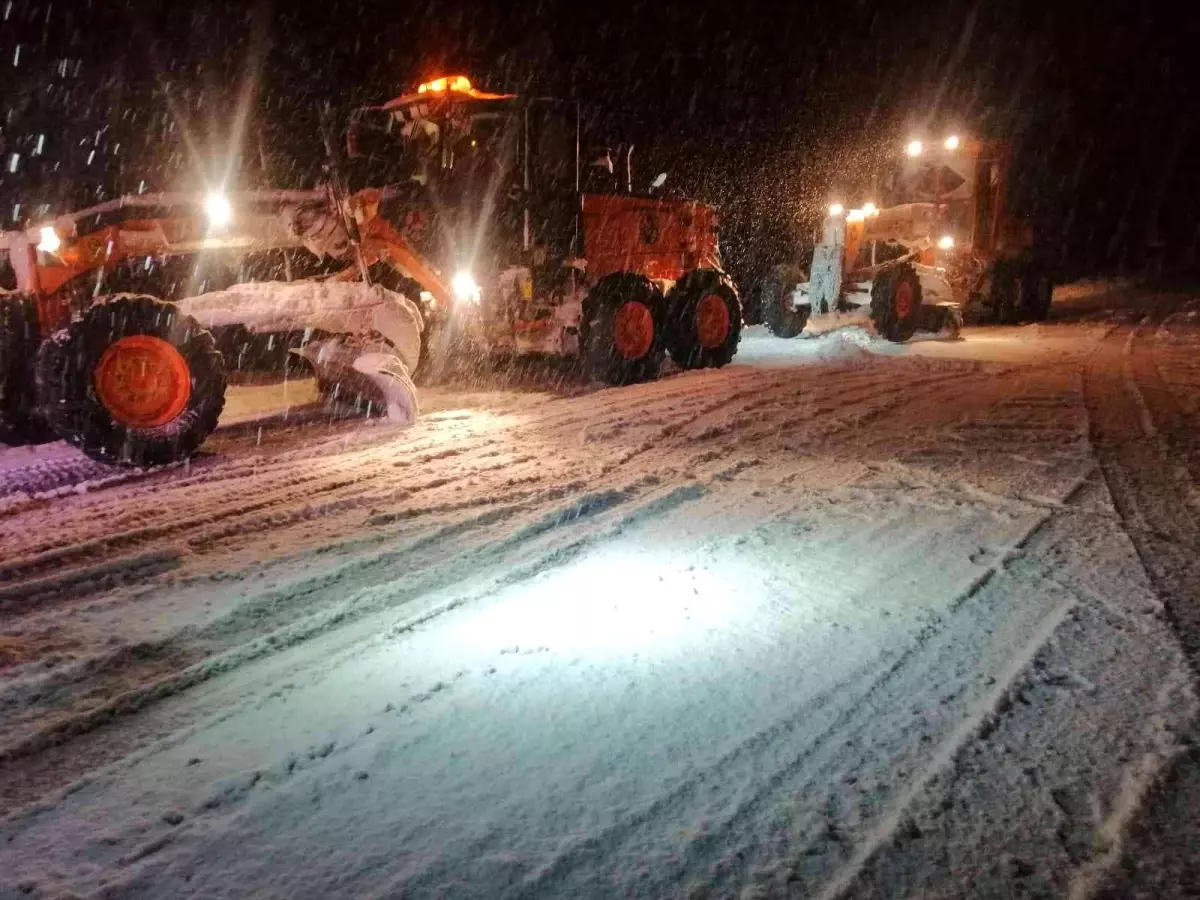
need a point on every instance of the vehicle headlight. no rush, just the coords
(50, 241)
(465, 289)
(219, 212)
(945, 242)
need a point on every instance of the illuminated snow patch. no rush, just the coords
(609, 604)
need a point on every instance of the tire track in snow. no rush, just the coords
(286, 484)
(562, 520)
(231, 479)
(975, 719)
(1134, 462)
(1164, 415)
(777, 385)
(279, 504)
(890, 822)
(546, 544)
(825, 764)
(223, 481)
(856, 715)
(1141, 434)
(1117, 430)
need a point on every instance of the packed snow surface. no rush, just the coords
(843, 618)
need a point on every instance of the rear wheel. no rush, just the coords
(781, 319)
(1006, 297)
(896, 303)
(706, 321)
(134, 382)
(19, 340)
(623, 339)
(1037, 291)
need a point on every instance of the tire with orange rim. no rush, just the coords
(896, 303)
(705, 320)
(622, 329)
(134, 382)
(775, 300)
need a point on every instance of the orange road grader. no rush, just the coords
(457, 221)
(944, 244)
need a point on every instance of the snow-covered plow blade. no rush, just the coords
(351, 374)
(363, 341)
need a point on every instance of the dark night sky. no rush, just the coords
(764, 109)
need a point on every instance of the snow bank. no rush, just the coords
(1091, 287)
(851, 344)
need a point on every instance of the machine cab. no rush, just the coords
(476, 179)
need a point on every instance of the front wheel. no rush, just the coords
(896, 303)
(705, 321)
(1037, 291)
(780, 316)
(134, 382)
(623, 338)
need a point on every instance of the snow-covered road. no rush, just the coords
(841, 619)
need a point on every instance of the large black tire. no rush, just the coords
(1004, 294)
(896, 303)
(19, 340)
(775, 293)
(68, 395)
(1037, 292)
(704, 320)
(623, 311)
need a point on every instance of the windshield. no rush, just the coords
(451, 147)
(937, 176)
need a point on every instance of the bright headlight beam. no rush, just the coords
(50, 241)
(836, 209)
(952, 142)
(218, 210)
(870, 209)
(914, 148)
(945, 242)
(464, 288)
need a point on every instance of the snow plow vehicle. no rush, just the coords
(457, 222)
(113, 337)
(492, 188)
(945, 245)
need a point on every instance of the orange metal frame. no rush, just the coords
(661, 239)
(111, 244)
